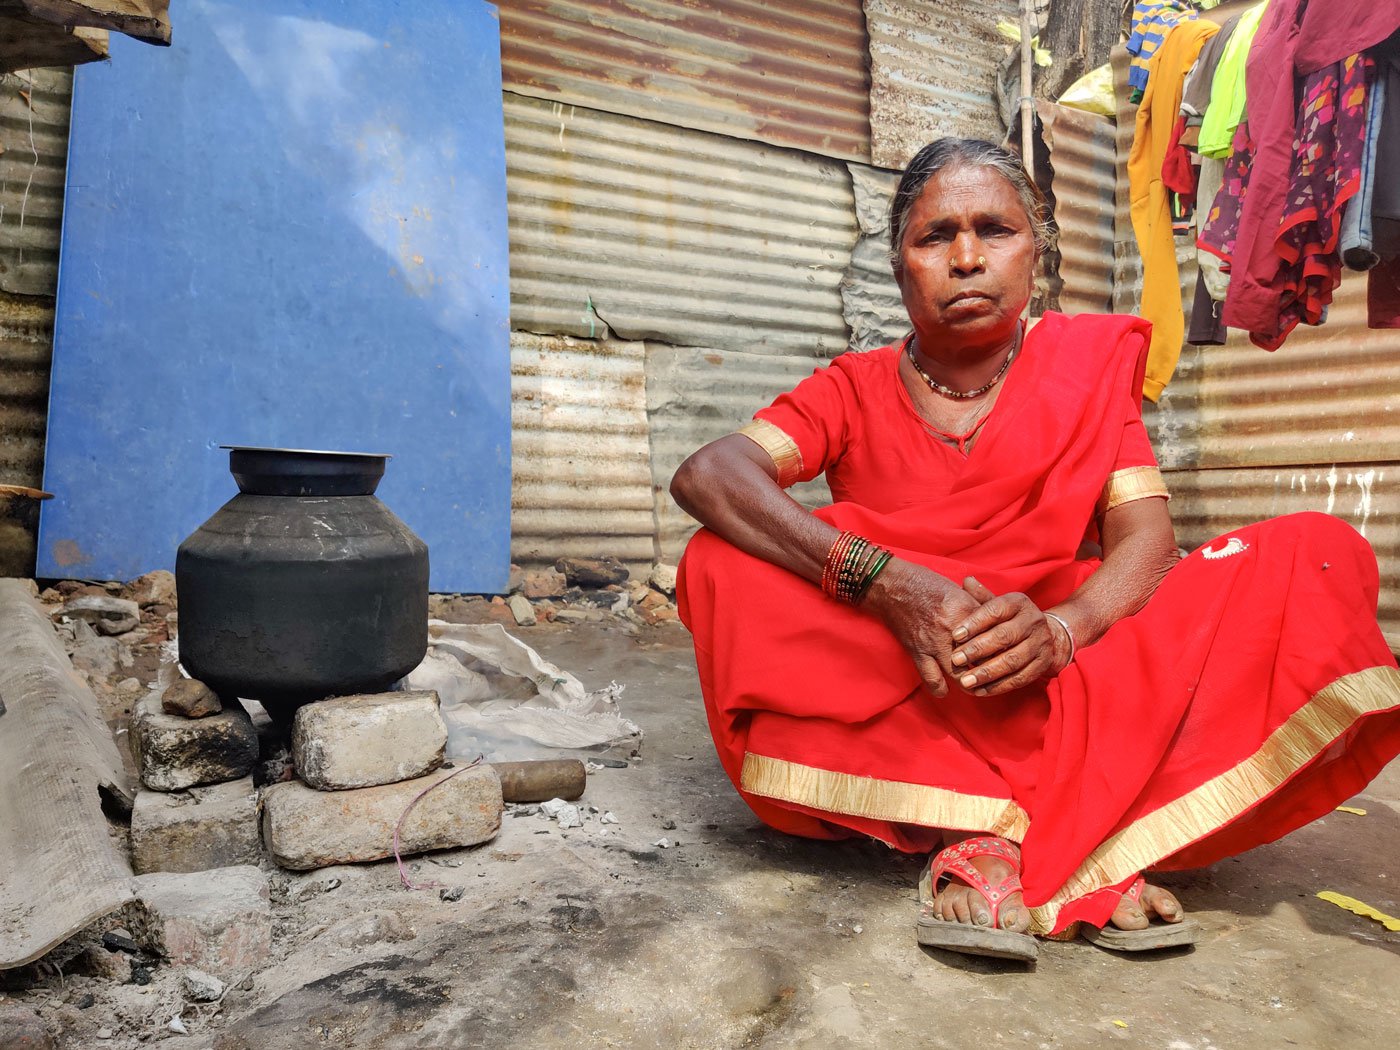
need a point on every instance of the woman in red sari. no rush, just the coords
(987, 647)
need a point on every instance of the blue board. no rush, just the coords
(289, 229)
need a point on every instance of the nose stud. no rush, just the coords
(982, 261)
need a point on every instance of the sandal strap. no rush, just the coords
(956, 860)
(1134, 892)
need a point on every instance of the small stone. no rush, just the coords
(663, 843)
(99, 657)
(116, 941)
(154, 588)
(173, 753)
(663, 578)
(571, 616)
(141, 975)
(515, 579)
(380, 926)
(209, 827)
(245, 985)
(86, 1001)
(201, 987)
(177, 1025)
(653, 599)
(104, 964)
(522, 610)
(190, 698)
(304, 828)
(543, 583)
(451, 894)
(50, 595)
(592, 572)
(106, 614)
(496, 599)
(608, 818)
(103, 1033)
(218, 921)
(366, 740)
(668, 825)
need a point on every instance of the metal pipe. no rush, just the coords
(1027, 102)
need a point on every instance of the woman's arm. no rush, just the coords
(1009, 643)
(731, 487)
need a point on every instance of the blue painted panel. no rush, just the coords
(288, 229)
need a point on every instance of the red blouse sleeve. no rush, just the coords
(809, 428)
(1135, 474)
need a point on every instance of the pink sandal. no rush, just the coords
(954, 861)
(1157, 935)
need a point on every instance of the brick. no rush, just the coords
(208, 827)
(219, 921)
(304, 828)
(173, 753)
(367, 740)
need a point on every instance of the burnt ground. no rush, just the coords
(735, 936)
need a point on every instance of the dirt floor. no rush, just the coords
(730, 935)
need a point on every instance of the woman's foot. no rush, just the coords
(958, 902)
(1153, 903)
(1134, 925)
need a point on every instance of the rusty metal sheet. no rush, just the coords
(641, 230)
(933, 67)
(695, 396)
(1082, 163)
(26, 351)
(581, 479)
(34, 135)
(787, 74)
(1127, 260)
(1206, 503)
(870, 298)
(147, 20)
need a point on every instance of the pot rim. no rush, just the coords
(308, 451)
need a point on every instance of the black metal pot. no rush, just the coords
(304, 585)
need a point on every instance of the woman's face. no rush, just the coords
(968, 258)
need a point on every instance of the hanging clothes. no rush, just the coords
(1228, 87)
(1150, 199)
(1152, 21)
(1295, 39)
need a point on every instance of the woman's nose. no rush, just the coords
(967, 257)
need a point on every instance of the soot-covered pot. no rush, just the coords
(304, 585)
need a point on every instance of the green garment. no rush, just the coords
(1226, 108)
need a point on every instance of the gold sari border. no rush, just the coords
(1130, 484)
(1219, 801)
(786, 456)
(891, 800)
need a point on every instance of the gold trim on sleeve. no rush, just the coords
(1134, 483)
(1219, 801)
(786, 456)
(893, 800)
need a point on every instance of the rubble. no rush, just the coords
(190, 698)
(219, 921)
(304, 828)
(154, 588)
(543, 583)
(204, 828)
(106, 614)
(592, 572)
(173, 753)
(201, 987)
(663, 578)
(22, 1029)
(367, 740)
(522, 610)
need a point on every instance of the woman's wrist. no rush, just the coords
(1063, 639)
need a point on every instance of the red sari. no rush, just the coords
(1251, 695)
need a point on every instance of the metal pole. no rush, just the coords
(1027, 104)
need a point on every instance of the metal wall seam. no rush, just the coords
(648, 231)
(34, 107)
(1127, 260)
(26, 352)
(581, 476)
(1208, 503)
(695, 396)
(1082, 160)
(933, 69)
(788, 74)
(870, 297)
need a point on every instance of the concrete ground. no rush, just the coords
(736, 936)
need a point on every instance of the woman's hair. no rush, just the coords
(944, 154)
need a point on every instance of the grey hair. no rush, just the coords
(948, 153)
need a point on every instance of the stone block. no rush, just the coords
(106, 614)
(219, 921)
(207, 827)
(190, 698)
(367, 740)
(663, 578)
(592, 572)
(543, 583)
(304, 828)
(523, 611)
(173, 753)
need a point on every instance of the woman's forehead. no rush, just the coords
(966, 189)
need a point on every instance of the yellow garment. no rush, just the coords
(1151, 201)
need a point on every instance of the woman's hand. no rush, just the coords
(1006, 643)
(921, 608)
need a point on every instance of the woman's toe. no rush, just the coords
(1163, 903)
(1129, 917)
(1015, 920)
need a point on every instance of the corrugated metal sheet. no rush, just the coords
(695, 396)
(1206, 503)
(26, 351)
(869, 296)
(646, 231)
(1082, 159)
(581, 479)
(787, 74)
(1127, 260)
(933, 67)
(34, 134)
